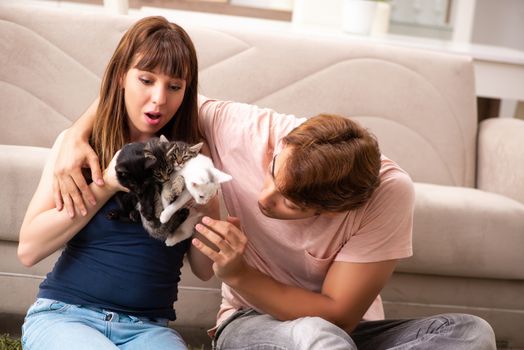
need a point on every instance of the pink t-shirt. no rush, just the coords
(243, 139)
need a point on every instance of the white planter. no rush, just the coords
(365, 17)
(317, 13)
(269, 4)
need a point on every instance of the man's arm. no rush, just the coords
(44, 230)
(69, 185)
(347, 292)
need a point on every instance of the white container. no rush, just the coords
(380, 25)
(119, 7)
(317, 13)
(358, 16)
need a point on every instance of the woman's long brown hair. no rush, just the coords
(153, 43)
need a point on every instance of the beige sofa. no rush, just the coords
(469, 217)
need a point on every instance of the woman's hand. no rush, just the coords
(230, 243)
(69, 185)
(110, 178)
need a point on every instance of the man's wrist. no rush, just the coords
(240, 277)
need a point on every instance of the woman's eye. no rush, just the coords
(174, 87)
(145, 81)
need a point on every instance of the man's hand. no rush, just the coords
(230, 244)
(69, 185)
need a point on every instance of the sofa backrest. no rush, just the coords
(420, 104)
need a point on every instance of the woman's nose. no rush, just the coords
(159, 96)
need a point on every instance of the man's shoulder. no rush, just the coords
(394, 181)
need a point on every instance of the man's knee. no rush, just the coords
(317, 333)
(469, 329)
(480, 332)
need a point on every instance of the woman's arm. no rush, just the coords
(45, 229)
(69, 185)
(200, 264)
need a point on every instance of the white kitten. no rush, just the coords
(202, 181)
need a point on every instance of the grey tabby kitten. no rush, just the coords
(167, 158)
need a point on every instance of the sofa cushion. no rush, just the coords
(466, 232)
(20, 171)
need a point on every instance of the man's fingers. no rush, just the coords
(96, 172)
(206, 250)
(80, 183)
(68, 204)
(230, 230)
(234, 220)
(71, 197)
(214, 238)
(57, 195)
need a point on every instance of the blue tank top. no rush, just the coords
(117, 266)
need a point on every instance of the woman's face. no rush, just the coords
(151, 99)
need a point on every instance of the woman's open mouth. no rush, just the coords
(153, 118)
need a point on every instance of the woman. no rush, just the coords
(114, 286)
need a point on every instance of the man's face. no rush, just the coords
(271, 202)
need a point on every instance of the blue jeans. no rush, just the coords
(51, 325)
(248, 329)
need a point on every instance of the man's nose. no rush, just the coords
(267, 197)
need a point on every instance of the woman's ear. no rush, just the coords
(122, 81)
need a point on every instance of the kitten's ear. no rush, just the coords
(120, 169)
(150, 159)
(149, 163)
(196, 148)
(163, 138)
(171, 150)
(220, 176)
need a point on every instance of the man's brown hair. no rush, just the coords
(333, 166)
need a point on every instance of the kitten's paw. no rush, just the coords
(172, 240)
(178, 185)
(165, 216)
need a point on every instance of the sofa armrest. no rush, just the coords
(500, 157)
(20, 171)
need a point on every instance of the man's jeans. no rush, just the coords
(52, 325)
(248, 329)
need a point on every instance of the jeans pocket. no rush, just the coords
(46, 305)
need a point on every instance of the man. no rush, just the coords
(319, 220)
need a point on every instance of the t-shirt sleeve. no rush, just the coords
(385, 230)
(227, 124)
